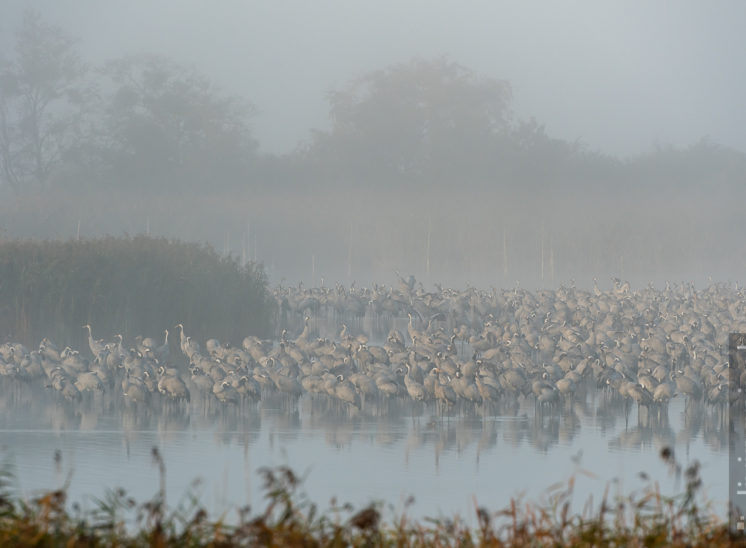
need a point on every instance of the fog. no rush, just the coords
(454, 245)
(616, 147)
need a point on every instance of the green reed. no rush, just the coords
(133, 286)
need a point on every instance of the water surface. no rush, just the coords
(446, 462)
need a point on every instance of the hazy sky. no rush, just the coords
(619, 76)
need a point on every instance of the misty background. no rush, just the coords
(346, 140)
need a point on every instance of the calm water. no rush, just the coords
(446, 462)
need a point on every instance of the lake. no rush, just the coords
(387, 452)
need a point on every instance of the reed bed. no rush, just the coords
(130, 285)
(290, 519)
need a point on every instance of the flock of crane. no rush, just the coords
(646, 346)
(460, 348)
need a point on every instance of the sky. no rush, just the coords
(620, 77)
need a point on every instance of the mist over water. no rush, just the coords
(541, 207)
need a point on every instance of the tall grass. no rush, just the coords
(132, 285)
(290, 519)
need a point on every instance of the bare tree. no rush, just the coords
(42, 103)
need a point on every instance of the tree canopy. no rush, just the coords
(164, 120)
(140, 120)
(414, 119)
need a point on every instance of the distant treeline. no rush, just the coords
(144, 123)
(133, 286)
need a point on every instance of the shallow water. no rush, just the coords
(387, 453)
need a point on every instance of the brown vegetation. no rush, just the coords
(289, 519)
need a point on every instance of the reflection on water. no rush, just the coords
(387, 451)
